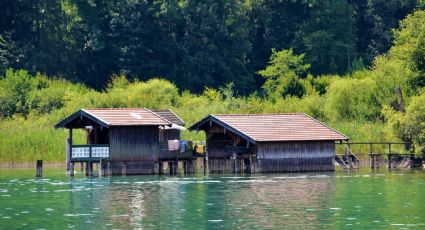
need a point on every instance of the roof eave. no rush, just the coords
(197, 125)
(84, 113)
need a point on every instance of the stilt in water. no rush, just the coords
(188, 167)
(372, 161)
(71, 169)
(103, 167)
(39, 168)
(172, 167)
(89, 168)
(124, 169)
(68, 154)
(160, 168)
(378, 161)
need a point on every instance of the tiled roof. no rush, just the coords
(273, 127)
(170, 116)
(117, 117)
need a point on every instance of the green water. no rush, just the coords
(358, 200)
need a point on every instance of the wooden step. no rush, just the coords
(341, 162)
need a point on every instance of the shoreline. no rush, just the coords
(30, 165)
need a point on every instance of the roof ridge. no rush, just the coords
(116, 109)
(257, 114)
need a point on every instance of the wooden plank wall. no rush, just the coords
(134, 144)
(300, 149)
(220, 165)
(295, 156)
(133, 168)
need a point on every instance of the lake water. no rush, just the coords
(363, 199)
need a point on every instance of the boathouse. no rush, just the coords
(268, 143)
(127, 140)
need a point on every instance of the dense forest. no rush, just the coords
(357, 65)
(193, 43)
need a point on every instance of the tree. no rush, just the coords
(15, 88)
(282, 74)
(415, 122)
(214, 46)
(375, 20)
(273, 24)
(327, 37)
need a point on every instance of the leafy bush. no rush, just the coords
(353, 99)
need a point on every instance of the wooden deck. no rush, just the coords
(348, 159)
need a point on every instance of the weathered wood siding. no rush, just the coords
(134, 144)
(300, 149)
(216, 148)
(295, 156)
(217, 139)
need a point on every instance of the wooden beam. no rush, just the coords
(374, 143)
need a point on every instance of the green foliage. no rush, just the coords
(363, 104)
(15, 88)
(353, 99)
(155, 93)
(415, 122)
(282, 74)
(192, 43)
(328, 21)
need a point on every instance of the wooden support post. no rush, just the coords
(191, 167)
(378, 161)
(90, 171)
(82, 166)
(206, 164)
(184, 167)
(71, 170)
(349, 155)
(160, 168)
(123, 169)
(371, 157)
(68, 154)
(39, 168)
(389, 156)
(171, 167)
(89, 168)
(68, 150)
(109, 169)
(251, 166)
(235, 170)
(103, 164)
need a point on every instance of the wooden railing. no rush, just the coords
(89, 151)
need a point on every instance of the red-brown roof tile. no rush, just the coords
(276, 127)
(127, 116)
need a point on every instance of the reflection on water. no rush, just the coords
(277, 201)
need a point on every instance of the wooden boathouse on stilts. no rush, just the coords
(268, 143)
(126, 141)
